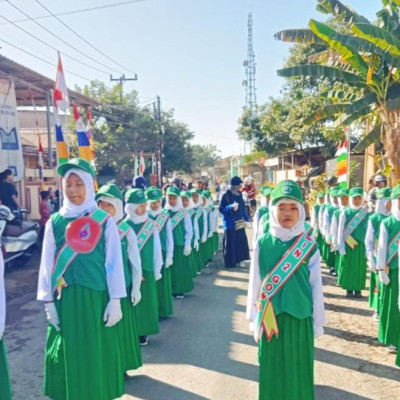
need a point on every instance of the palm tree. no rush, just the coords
(363, 60)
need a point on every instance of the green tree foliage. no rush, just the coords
(123, 129)
(204, 156)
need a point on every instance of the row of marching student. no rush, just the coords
(107, 277)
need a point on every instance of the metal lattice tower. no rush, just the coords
(250, 66)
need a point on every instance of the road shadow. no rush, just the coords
(357, 364)
(330, 393)
(352, 337)
(348, 310)
(146, 388)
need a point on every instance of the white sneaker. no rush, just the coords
(391, 349)
(375, 317)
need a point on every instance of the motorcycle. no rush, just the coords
(17, 237)
(250, 205)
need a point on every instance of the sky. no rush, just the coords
(189, 52)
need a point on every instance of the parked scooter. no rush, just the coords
(17, 237)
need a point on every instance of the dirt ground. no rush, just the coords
(206, 352)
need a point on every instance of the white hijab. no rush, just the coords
(340, 203)
(116, 203)
(130, 210)
(278, 230)
(190, 206)
(70, 210)
(198, 203)
(176, 208)
(153, 213)
(264, 202)
(352, 206)
(395, 209)
(380, 207)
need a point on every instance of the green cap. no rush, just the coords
(320, 195)
(287, 189)
(186, 193)
(173, 190)
(196, 190)
(384, 193)
(343, 192)
(135, 196)
(75, 163)
(206, 194)
(153, 194)
(395, 192)
(110, 191)
(356, 191)
(266, 191)
(334, 192)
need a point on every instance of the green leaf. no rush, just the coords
(349, 53)
(380, 37)
(373, 136)
(344, 95)
(321, 71)
(298, 36)
(327, 111)
(335, 7)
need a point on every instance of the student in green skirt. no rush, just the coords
(206, 195)
(321, 212)
(81, 282)
(285, 303)
(109, 199)
(202, 219)
(329, 256)
(149, 246)
(314, 216)
(352, 229)
(382, 210)
(181, 273)
(387, 264)
(5, 387)
(343, 195)
(261, 212)
(164, 227)
(187, 204)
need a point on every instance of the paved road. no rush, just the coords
(205, 352)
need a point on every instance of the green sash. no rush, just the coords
(352, 225)
(145, 233)
(66, 255)
(199, 212)
(177, 218)
(276, 279)
(123, 229)
(393, 248)
(161, 221)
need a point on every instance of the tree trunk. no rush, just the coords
(391, 142)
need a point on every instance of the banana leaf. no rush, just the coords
(298, 36)
(335, 7)
(324, 112)
(373, 136)
(322, 71)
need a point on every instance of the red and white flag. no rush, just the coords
(61, 98)
(142, 165)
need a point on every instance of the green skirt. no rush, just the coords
(373, 297)
(181, 273)
(164, 289)
(147, 309)
(287, 361)
(215, 241)
(5, 387)
(202, 256)
(353, 273)
(338, 260)
(389, 314)
(209, 253)
(330, 257)
(83, 361)
(131, 356)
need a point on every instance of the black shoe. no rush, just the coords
(357, 294)
(333, 272)
(349, 293)
(143, 341)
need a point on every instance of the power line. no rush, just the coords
(82, 10)
(61, 40)
(82, 38)
(42, 59)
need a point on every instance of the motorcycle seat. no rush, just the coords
(16, 231)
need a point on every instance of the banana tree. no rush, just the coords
(365, 57)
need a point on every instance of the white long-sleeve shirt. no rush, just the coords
(315, 279)
(381, 253)
(196, 230)
(2, 295)
(157, 257)
(188, 231)
(135, 261)
(370, 243)
(170, 239)
(113, 263)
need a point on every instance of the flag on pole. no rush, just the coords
(62, 148)
(61, 98)
(89, 134)
(342, 163)
(142, 165)
(41, 164)
(83, 141)
(135, 167)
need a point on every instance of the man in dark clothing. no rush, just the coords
(8, 193)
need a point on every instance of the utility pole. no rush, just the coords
(121, 81)
(157, 116)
